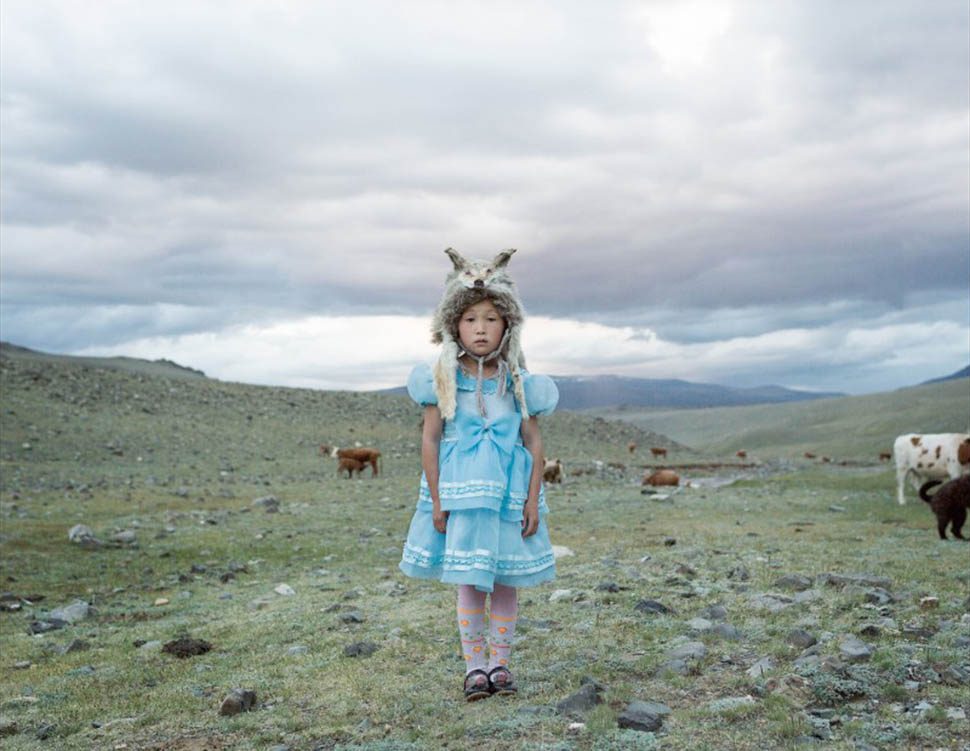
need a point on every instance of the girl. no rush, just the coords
(480, 521)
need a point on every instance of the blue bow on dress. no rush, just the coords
(502, 432)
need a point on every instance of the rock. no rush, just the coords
(125, 537)
(855, 650)
(919, 632)
(75, 645)
(740, 573)
(285, 590)
(870, 629)
(79, 532)
(561, 551)
(680, 667)
(43, 626)
(186, 647)
(237, 702)
(800, 638)
(726, 631)
(352, 616)
(837, 509)
(560, 594)
(807, 596)
(929, 602)
(840, 580)
(730, 703)
(772, 603)
(150, 646)
(22, 665)
(257, 604)
(652, 606)
(700, 625)
(670, 542)
(360, 649)
(793, 581)
(879, 596)
(8, 727)
(297, 649)
(78, 610)
(692, 650)
(646, 716)
(955, 675)
(715, 612)
(956, 713)
(762, 667)
(580, 702)
(161, 601)
(269, 503)
(608, 587)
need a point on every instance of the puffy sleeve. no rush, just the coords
(541, 394)
(420, 386)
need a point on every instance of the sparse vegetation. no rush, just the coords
(179, 463)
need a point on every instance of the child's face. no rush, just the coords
(480, 328)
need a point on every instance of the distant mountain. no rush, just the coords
(584, 392)
(965, 373)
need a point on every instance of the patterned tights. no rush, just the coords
(499, 625)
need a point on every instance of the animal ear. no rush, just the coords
(502, 259)
(456, 258)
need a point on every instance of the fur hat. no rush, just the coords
(468, 283)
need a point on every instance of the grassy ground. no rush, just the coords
(180, 464)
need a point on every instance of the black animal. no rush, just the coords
(949, 503)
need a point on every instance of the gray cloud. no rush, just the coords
(315, 159)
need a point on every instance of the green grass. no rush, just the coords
(205, 450)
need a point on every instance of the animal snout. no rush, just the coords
(479, 283)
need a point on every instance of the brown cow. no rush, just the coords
(552, 471)
(809, 455)
(885, 456)
(662, 477)
(350, 465)
(364, 455)
(741, 454)
(658, 452)
(631, 447)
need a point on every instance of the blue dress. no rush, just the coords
(483, 482)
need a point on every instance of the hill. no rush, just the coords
(130, 420)
(851, 426)
(162, 367)
(587, 392)
(963, 373)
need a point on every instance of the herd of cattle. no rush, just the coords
(926, 460)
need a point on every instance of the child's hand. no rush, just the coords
(530, 518)
(440, 520)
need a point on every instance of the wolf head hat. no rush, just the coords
(468, 283)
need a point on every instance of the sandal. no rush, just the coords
(503, 684)
(477, 689)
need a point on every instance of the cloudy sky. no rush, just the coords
(735, 192)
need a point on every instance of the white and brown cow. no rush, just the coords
(930, 456)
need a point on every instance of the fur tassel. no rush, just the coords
(519, 387)
(445, 385)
